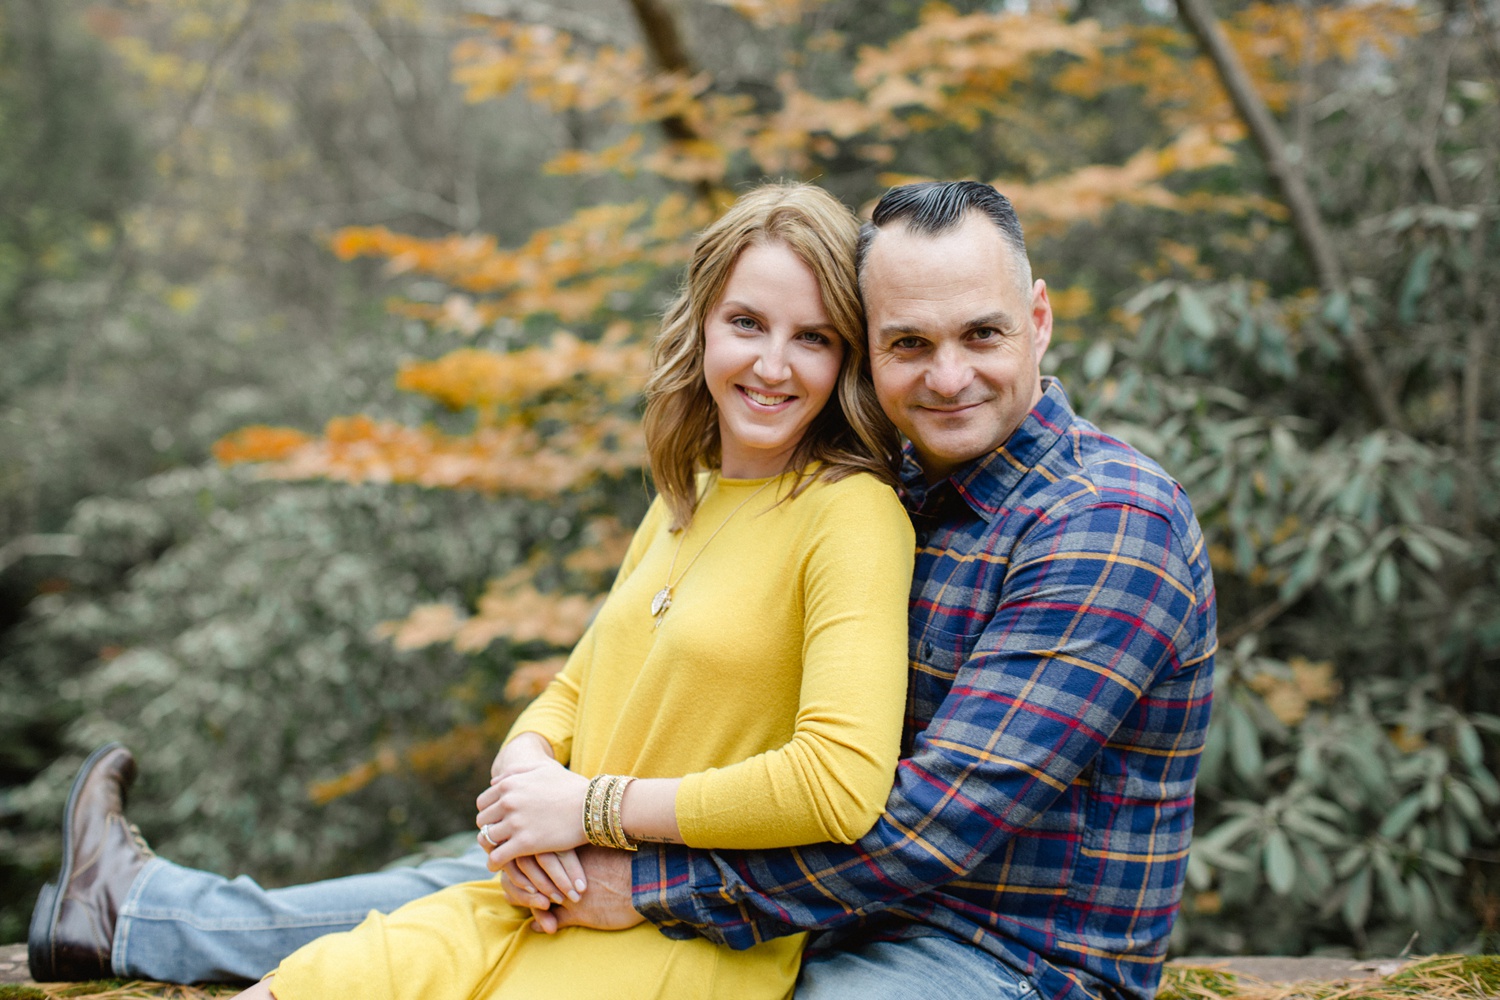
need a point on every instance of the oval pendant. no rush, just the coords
(661, 602)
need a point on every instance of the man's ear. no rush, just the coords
(1041, 318)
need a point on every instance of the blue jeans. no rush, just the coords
(181, 925)
(912, 969)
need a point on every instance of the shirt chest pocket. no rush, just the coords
(938, 653)
(936, 657)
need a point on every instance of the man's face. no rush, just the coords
(956, 339)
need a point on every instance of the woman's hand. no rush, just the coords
(555, 875)
(524, 749)
(533, 807)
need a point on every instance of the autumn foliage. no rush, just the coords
(1193, 326)
(554, 414)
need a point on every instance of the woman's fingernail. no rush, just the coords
(574, 896)
(580, 884)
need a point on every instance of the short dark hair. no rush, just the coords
(934, 207)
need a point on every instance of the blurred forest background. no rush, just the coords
(321, 340)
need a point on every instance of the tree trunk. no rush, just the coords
(664, 42)
(1298, 197)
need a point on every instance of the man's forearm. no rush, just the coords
(1022, 719)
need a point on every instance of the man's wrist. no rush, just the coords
(661, 888)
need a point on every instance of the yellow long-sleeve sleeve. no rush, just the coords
(831, 779)
(775, 683)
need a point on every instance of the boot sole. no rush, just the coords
(39, 936)
(40, 951)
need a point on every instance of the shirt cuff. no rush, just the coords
(685, 894)
(661, 887)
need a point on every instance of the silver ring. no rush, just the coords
(484, 835)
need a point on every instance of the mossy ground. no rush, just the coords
(114, 989)
(1442, 977)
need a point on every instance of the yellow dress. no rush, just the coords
(776, 684)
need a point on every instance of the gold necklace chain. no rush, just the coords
(663, 599)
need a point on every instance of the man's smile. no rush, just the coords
(950, 409)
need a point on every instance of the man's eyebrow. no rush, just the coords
(998, 318)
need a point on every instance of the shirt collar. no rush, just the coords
(985, 482)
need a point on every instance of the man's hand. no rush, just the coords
(605, 906)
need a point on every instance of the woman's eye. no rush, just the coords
(743, 322)
(813, 337)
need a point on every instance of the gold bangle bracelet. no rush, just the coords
(616, 815)
(595, 811)
(603, 807)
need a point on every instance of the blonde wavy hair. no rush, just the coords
(852, 434)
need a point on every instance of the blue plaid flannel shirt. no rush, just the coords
(1062, 644)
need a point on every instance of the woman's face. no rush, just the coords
(771, 359)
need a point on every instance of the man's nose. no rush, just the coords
(950, 374)
(771, 366)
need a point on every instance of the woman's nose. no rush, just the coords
(772, 365)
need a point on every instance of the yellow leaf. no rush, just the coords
(426, 625)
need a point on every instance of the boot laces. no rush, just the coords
(140, 840)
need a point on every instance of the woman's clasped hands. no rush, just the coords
(530, 819)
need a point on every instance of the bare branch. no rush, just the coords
(1258, 620)
(587, 28)
(398, 75)
(20, 548)
(1298, 197)
(1487, 33)
(1483, 329)
(1305, 66)
(230, 48)
(1432, 123)
(399, 195)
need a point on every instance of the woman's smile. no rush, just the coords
(766, 399)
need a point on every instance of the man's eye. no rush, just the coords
(985, 333)
(907, 343)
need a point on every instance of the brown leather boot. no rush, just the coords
(73, 925)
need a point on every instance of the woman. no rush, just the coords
(747, 669)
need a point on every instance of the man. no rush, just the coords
(1061, 641)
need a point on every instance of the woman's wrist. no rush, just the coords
(527, 746)
(648, 811)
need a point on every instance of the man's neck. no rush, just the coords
(935, 474)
